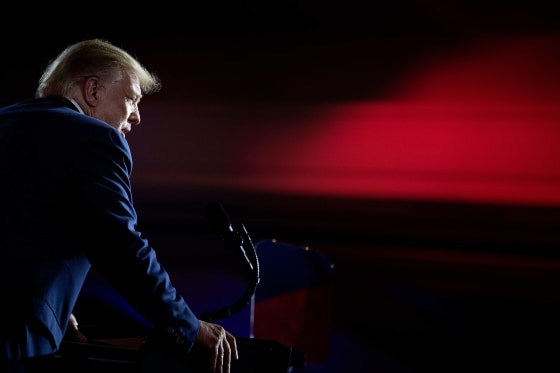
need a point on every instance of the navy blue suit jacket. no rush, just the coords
(66, 204)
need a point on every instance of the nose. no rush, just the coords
(134, 118)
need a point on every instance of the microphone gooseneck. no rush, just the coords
(235, 238)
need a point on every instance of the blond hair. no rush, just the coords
(91, 57)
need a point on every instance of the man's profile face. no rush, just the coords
(118, 101)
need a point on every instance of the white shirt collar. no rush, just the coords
(75, 104)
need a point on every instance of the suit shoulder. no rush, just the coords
(55, 119)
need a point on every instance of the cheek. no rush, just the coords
(116, 117)
(121, 113)
(129, 110)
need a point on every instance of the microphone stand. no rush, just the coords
(238, 239)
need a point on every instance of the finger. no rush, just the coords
(233, 346)
(226, 363)
(219, 361)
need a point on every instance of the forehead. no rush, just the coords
(130, 82)
(124, 86)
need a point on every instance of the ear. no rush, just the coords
(91, 90)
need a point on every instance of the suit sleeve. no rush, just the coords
(106, 228)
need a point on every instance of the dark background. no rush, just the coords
(383, 35)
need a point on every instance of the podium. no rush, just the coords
(124, 355)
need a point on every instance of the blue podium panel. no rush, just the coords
(293, 299)
(285, 268)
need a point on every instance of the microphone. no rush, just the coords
(220, 220)
(235, 236)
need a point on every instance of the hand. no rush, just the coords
(219, 344)
(72, 332)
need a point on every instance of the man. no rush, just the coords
(66, 205)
